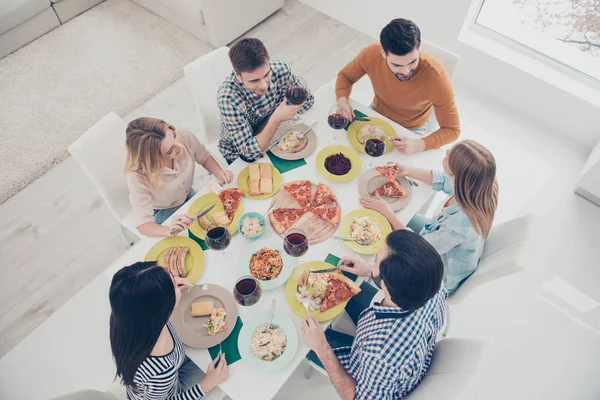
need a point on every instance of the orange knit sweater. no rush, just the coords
(407, 103)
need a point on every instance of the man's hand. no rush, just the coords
(312, 334)
(355, 265)
(342, 102)
(285, 112)
(405, 145)
(377, 204)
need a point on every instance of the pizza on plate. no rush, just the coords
(339, 289)
(329, 214)
(231, 199)
(322, 196)
(390, 189)
(389, 172)
(283, 218)
(301, 191)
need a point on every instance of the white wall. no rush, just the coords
(440, 22)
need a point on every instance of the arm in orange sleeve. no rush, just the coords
(352, 72)
(442, 97)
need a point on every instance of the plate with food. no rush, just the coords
(338, 163)
(326, 294)
(294, 145)
(260, 180)
(204, 316)
(268, 262)
(367, 228)
(268, 348)
(384, 180)
(309, 206)
(360, 131)
(180, 256)
(227, 211)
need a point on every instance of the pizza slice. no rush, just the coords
(390, 189)
(301, 191)
(283, 218)
(323, 195)
(329, 214)
(231, 199)
(389, 171)
(339, 289)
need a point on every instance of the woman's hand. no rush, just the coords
(355, 265)
(216, 374)
(182, 283)
(403, 168)
(225, 177)
(179, 223)
(377, 204)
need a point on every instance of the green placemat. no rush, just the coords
(334, 260)
(358, 114)
(196, 239)
(229, 346)
(285, 165)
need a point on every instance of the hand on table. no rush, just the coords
(377, 204)
(285, 111)
(407, 146)
(225, 177)
(179, 223)
(215, 374)
(182, 283)
(355, 265)
(312, 334)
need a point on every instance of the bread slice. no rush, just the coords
(266, 171)
(266, 186)
(202, 308)
(254, 187)
(204, 222)
(221, 219)
(254, 172)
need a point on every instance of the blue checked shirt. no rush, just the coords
(392, 348)
(452, 235)
(241, 110)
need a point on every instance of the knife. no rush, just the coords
(318, 271)
(365, 119)
(200, 215)
(344, 238)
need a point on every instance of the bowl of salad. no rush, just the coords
(251, 225)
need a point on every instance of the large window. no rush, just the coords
(567, 31)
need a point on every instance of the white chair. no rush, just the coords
(457, 370)
(116, 392)
(101, 154)
(204, 76)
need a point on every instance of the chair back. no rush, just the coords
(101, 153)
(447, 58)
(204, 76)
(456, 371)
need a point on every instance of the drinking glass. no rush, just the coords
(375, 145)
(297, 94)
(217, 237)
(338, 117)
(247, 291)
(295, 243)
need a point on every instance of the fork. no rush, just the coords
(412, 181)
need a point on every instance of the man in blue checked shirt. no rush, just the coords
(395, 339)
(252, 101)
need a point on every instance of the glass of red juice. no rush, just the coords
(338, 117)
(247, 291)
(295, 243)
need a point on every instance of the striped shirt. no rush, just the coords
(451, 233)
(242, 110)
(392, 348)
(158, 378)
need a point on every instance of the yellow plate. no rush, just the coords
(208, 200)
(346, 151)
(385, 226)
(291, 288)
(194, 260)
(383, 124)
(243, 183)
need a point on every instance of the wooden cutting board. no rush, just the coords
(317, 230)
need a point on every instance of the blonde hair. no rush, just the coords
(143, 139)
(475, 184)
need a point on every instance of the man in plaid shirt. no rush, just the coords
(394, 342)
(252, 101)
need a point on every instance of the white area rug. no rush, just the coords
(113, 57)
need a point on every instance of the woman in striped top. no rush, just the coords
(150, 358)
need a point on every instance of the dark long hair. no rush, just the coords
(142, 298)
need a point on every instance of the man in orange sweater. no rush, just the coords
(407, 85)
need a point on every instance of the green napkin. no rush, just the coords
(358, 114)
(285, 165)
(196, 239)
(229, 346)
(334, 260)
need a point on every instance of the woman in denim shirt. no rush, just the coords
(458, 232)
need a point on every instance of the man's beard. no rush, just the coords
(405, 78)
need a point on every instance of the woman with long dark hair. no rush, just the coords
(150, 358)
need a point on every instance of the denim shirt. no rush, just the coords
(450, 232)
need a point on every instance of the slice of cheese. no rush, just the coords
(254, 171)
(266, 186)
(266, 171)
(202, 308)
(254, 187)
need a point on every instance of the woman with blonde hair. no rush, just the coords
(459, 230)
(160, 171)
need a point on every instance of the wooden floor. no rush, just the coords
(57, 234)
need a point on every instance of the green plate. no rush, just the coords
(275, 244)
(291, 335)
(385, 126)
(346, 151)
(194, 260)
(206, 201)
(297, 307)
(243, 183)
(384, 224)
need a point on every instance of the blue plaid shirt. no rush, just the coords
(392, 348)
(453, 236)
(241, 110)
